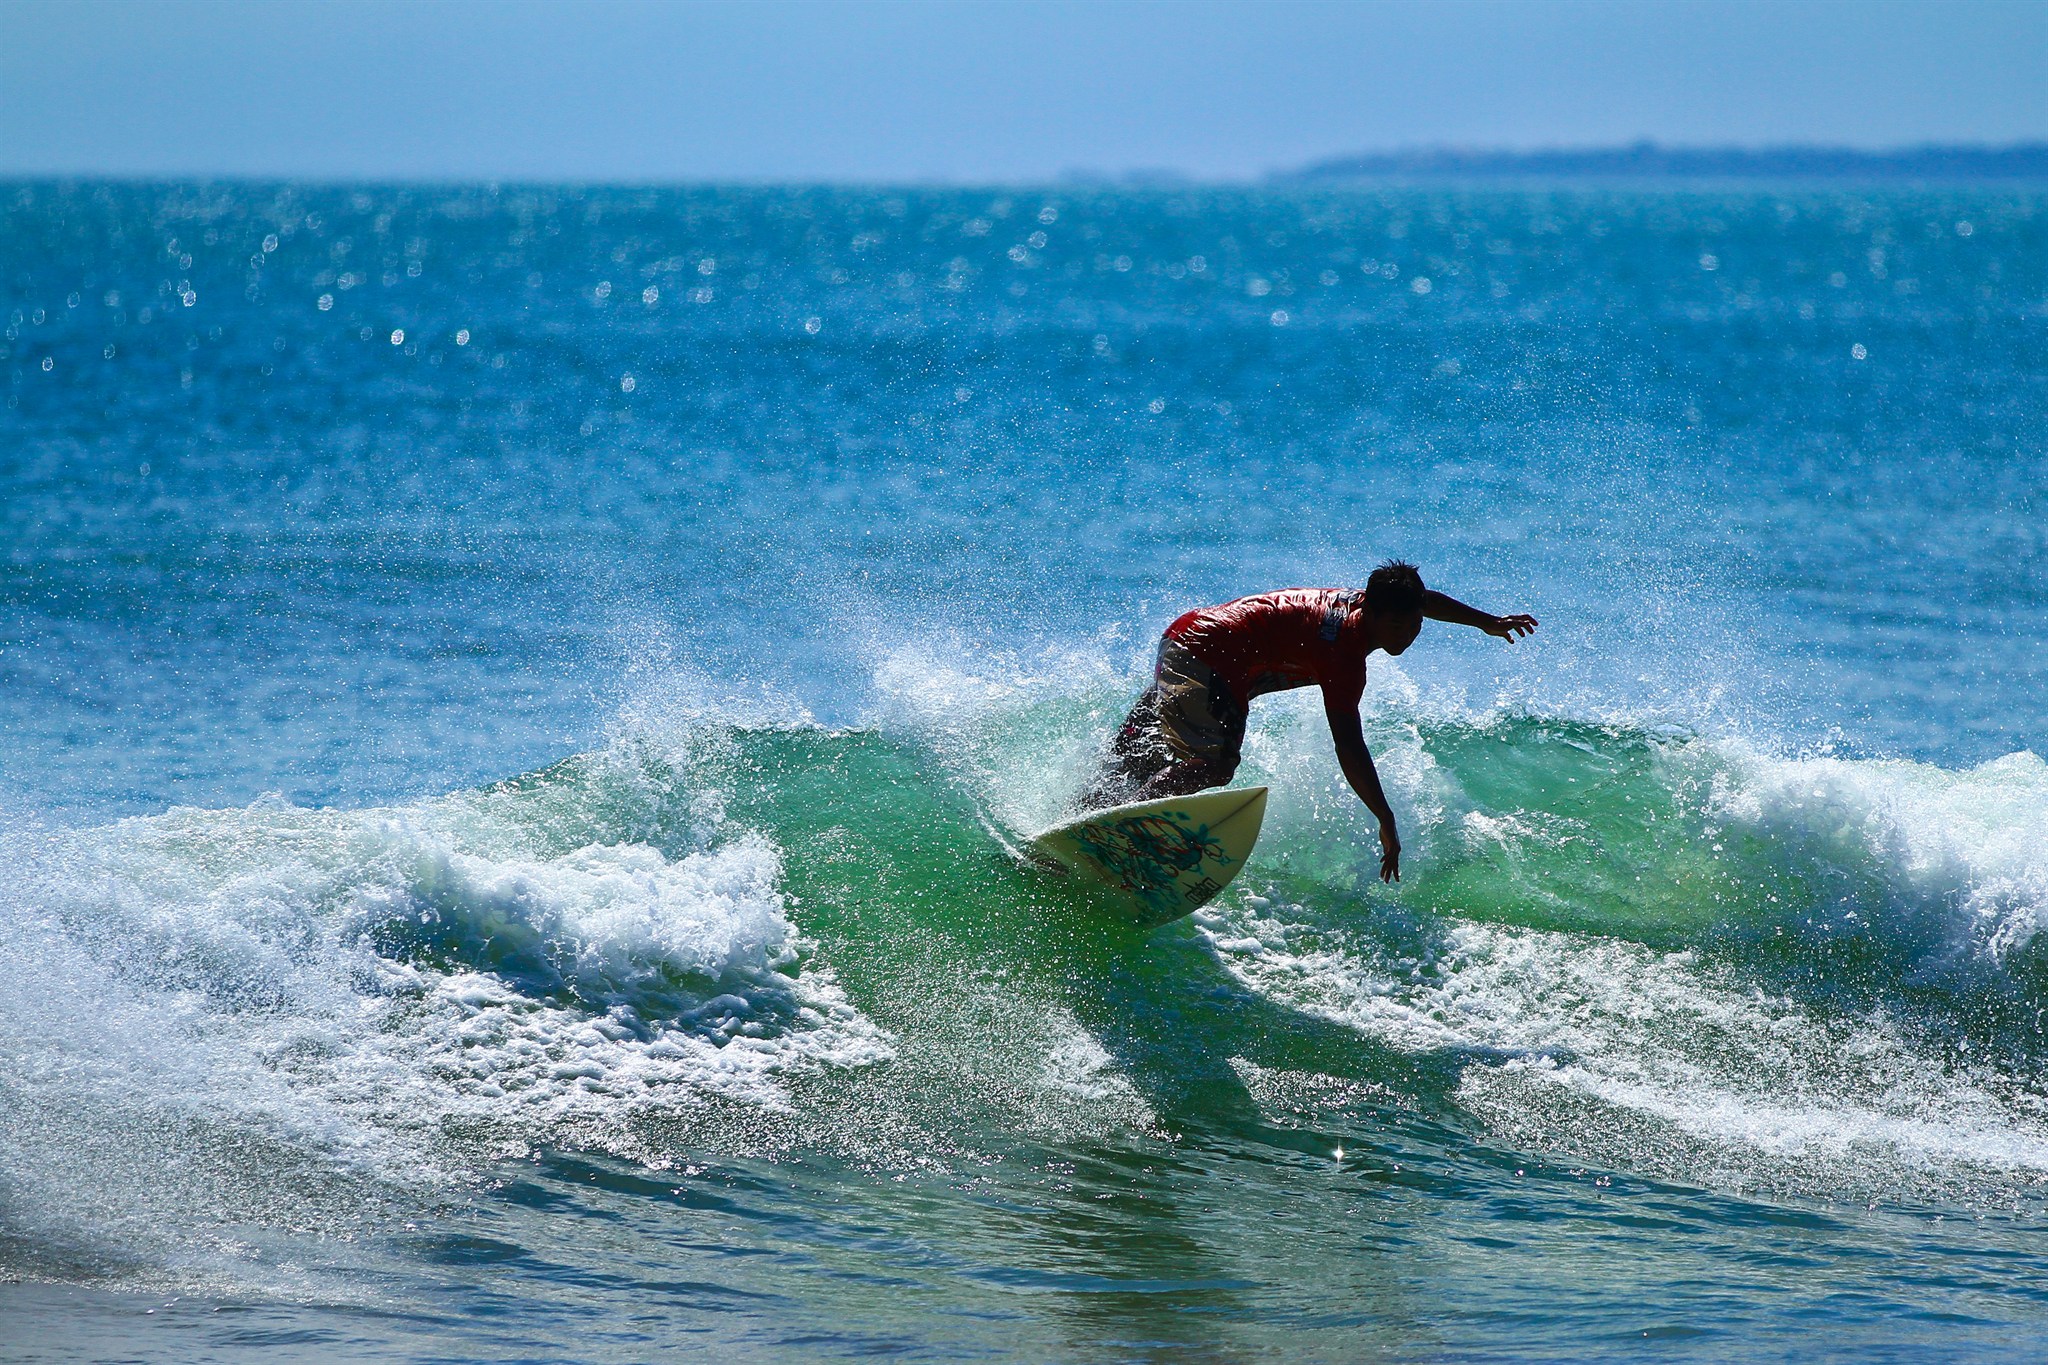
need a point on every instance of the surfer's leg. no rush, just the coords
(1135, 754)
(1184, 734)
(1200, 723)
(1185, 779)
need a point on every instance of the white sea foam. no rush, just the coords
(185, 994)
(1673, 1060)
(1961, 853)
(1674, 1064)
(1076, 1064)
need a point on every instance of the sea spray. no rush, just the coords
(358, 988)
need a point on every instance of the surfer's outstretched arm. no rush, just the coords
(1356, 761)
(1441, 607)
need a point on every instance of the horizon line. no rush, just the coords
(1638, 159)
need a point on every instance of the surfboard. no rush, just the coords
(1167, 857)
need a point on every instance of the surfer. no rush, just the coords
(1187, 731)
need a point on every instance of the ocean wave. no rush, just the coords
(1648, 941)
(1662, 828)
(1671, 949)
(1964, 850)
(184, 994)
(1667, 1063)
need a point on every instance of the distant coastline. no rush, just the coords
(1650, 161)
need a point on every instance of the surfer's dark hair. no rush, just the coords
(1395, 589)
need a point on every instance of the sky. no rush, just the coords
(976, 90)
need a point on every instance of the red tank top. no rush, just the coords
(1279, 640)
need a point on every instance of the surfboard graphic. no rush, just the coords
(1168, 856)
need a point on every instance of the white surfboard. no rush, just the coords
(1168, 857)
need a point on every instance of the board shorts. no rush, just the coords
(1188, 715)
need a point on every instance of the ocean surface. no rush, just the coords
(512, 701)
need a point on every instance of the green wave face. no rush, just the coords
(1669, 954)
(1701, 895)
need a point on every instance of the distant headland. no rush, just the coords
(1650, 161)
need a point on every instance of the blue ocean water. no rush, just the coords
(513, 699)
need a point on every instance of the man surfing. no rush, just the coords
(1187, 731)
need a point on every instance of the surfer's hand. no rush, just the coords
(1510, 628)
(1390, 853)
